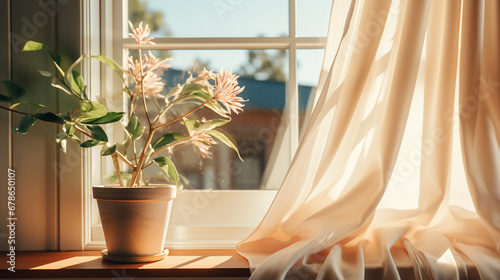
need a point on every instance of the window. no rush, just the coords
(276, 47)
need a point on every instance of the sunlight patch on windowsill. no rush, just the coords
(66, 263)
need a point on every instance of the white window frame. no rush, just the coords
(194, 224)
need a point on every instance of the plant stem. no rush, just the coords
(124, 159)
(147, 158)
(23, 113)
(156, 103)
(131, 107)
(13, 110)
(138, 169)
(83, 131)
(185, 115)
(143, 75)
(117, 168)
(152, 152)
(163, 111)
(134, 151)
(147, 165)
(173, 144)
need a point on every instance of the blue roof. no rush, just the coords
(260, 94)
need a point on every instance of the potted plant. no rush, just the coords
(135, 215)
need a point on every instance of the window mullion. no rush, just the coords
(229, 43)
(291, 18)
(292, 92)
(293, 100)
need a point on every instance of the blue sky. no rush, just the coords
(243, 18)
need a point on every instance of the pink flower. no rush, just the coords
(140, 34)
(226, 89)
(152, 82)
(152, 85)
(202, 140)
(202, 78)
(134, 69)
(152, 62)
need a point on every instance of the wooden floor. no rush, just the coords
(89, 264)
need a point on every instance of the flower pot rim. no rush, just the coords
(152, 192)
(150, 186)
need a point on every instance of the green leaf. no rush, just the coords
(46, 73)
(174, 92)
(56, 83)
(61, 140)
(123, 147)
(113, 178)
(66, 116)
(108, 150)
(24, 124)
(15, 91)
(189, 89)
(217, 108)
(225, 139)
(35, 46)
(194, 125)
(28, 107)
(86, 106)
(98, 133)
(32, 46)
(168, 167)
(49, 117)
(4, 98)
(134, 128)
(59, 69)
(70, 78)
(211, 124)
(69, 129)
(90, 143)
(75, 138)
(166, 139)
(110, 117)
(191, 125)
(202, 95)
(111, 63)
(91, 111)
(77, 77)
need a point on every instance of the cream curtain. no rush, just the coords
(398, 174)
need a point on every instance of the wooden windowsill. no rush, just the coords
(89, 264)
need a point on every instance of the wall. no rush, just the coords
(41, 170)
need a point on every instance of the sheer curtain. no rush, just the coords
(398, 173)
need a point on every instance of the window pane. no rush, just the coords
(219, 18)
(308, 69)
(312, 17)
(257, 130)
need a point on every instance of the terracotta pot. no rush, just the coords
(134, 221)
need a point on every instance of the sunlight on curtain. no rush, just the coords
(398, 173)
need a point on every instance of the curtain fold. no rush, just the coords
(403, 140)
(480, 111)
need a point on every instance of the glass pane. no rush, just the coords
(257, 130)
(308, 69)
(219, 18)
(313, 17)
